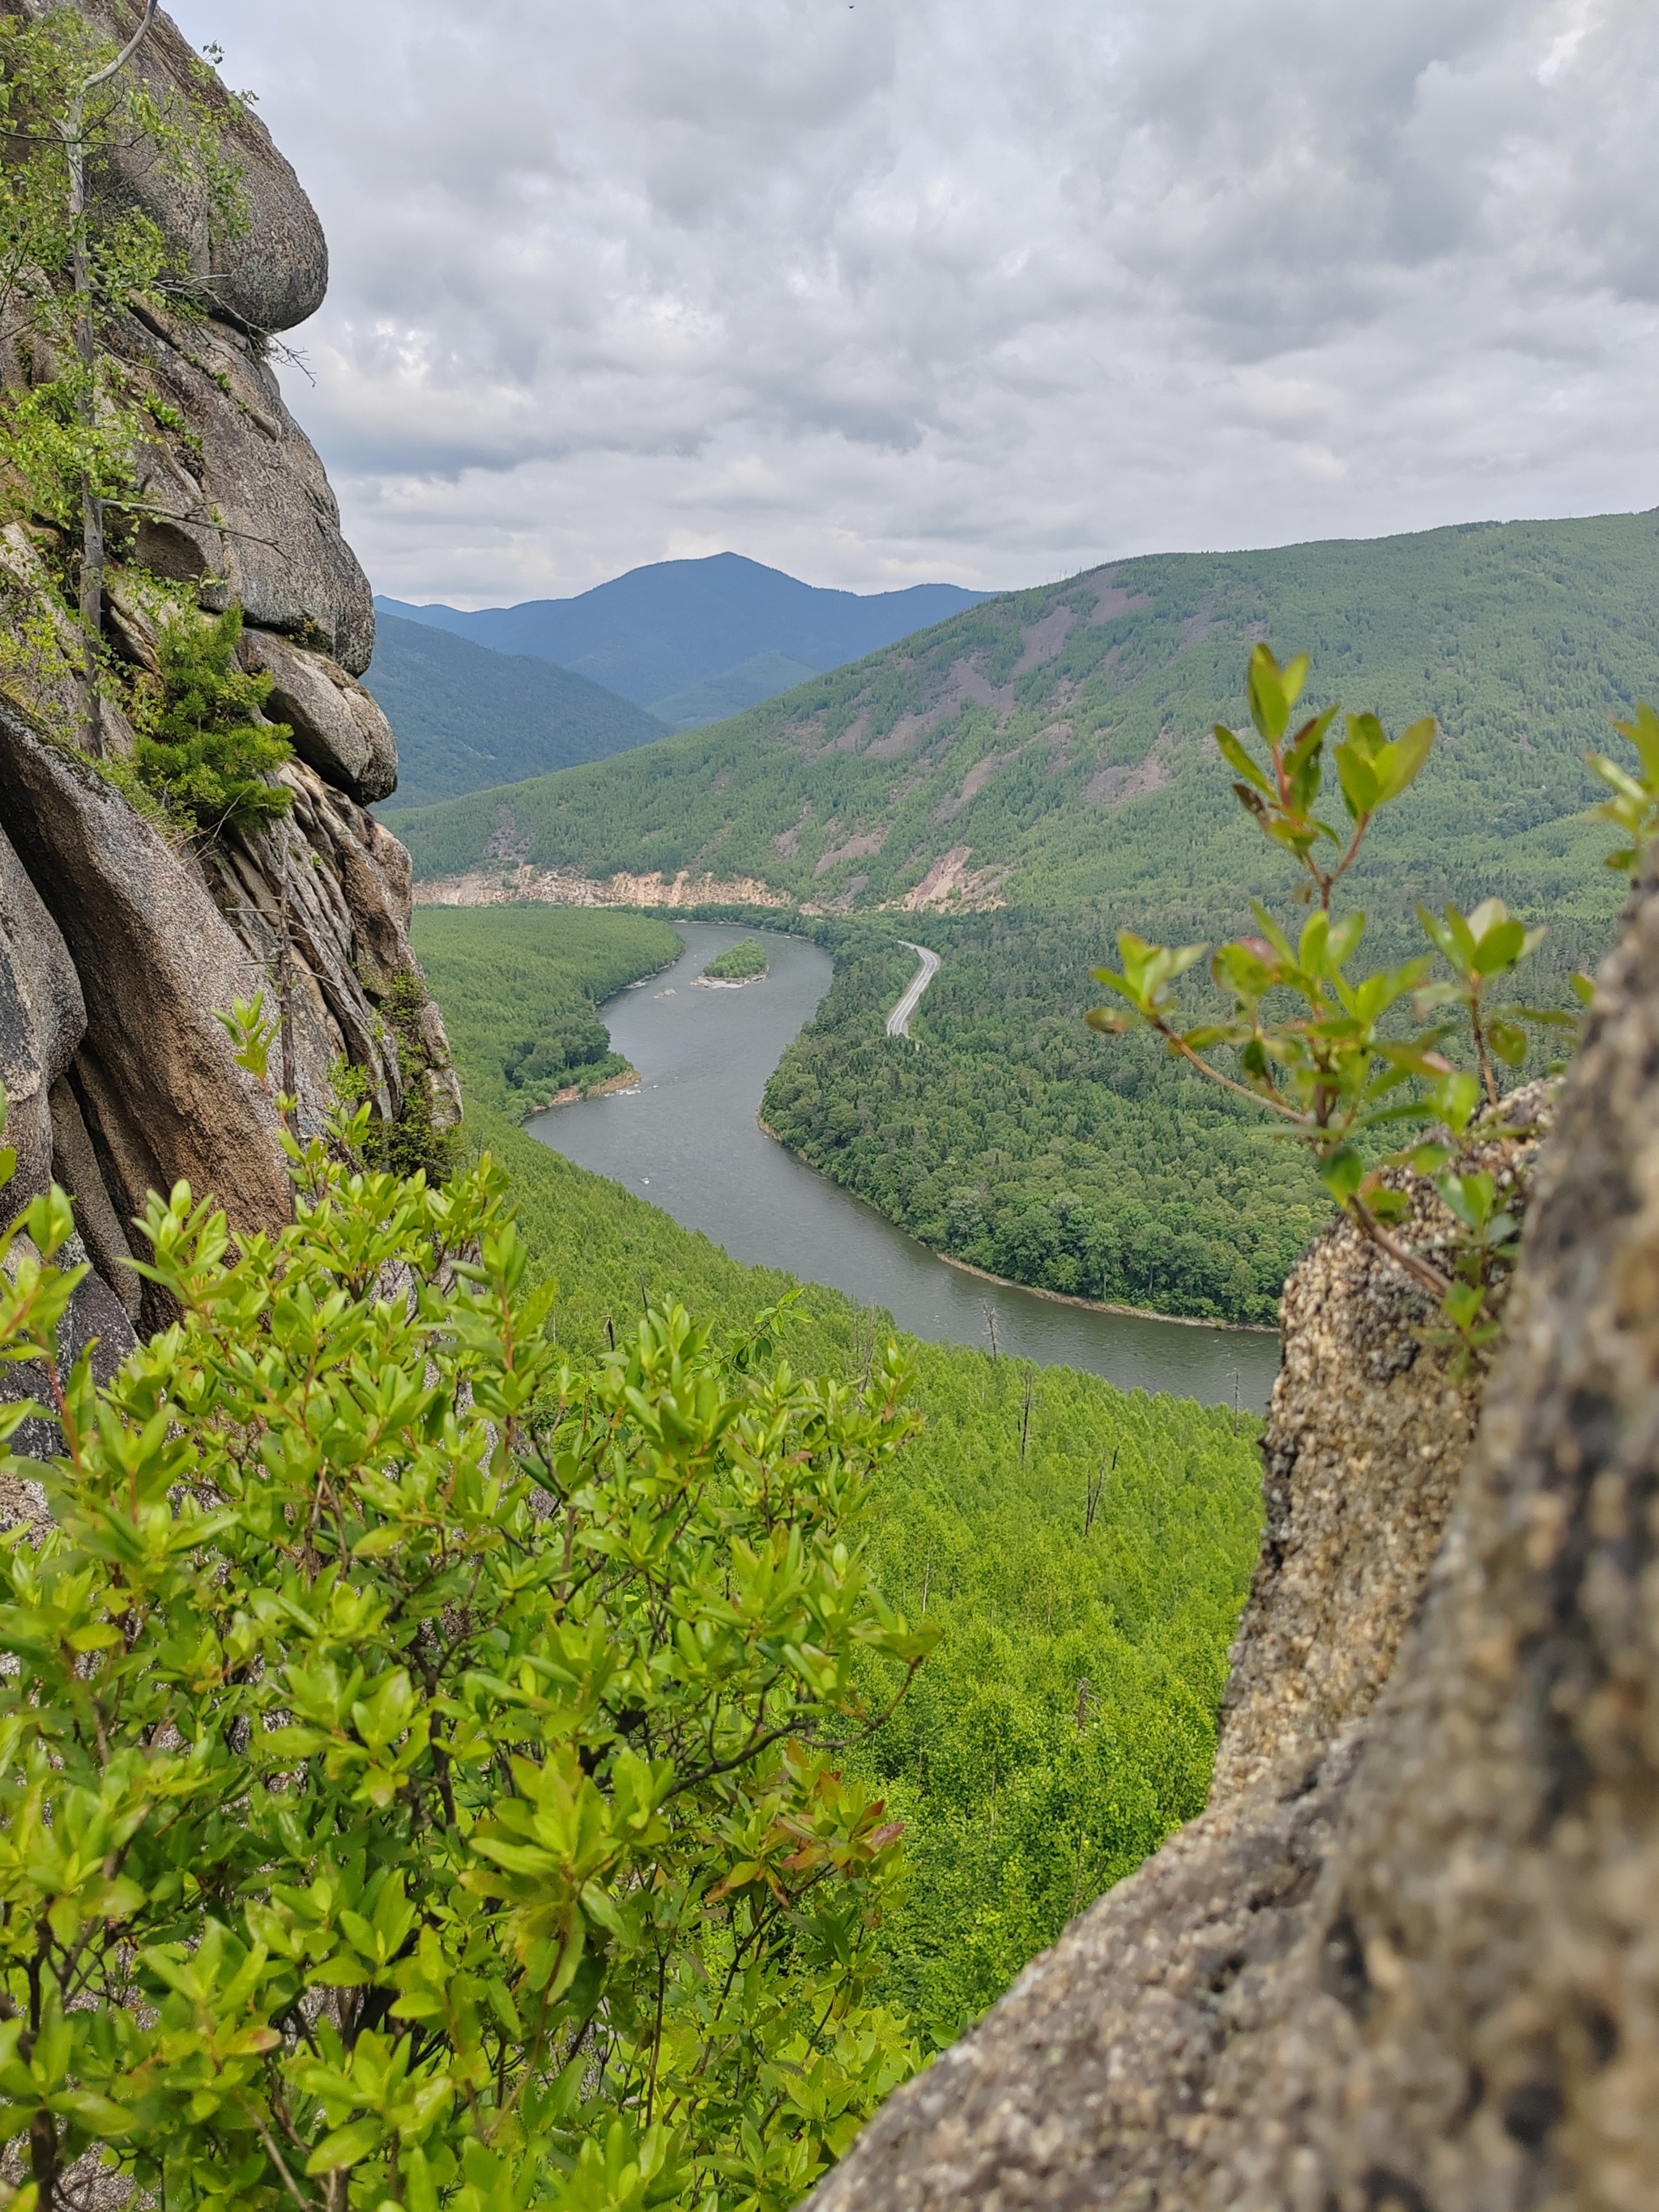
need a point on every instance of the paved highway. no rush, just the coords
(898, 1022)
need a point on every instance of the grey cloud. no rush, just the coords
(959, 287)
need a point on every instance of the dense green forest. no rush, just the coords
(732, 692)
(1055, 739)
(467, 717)
(1017, 1813)
(1011, 1136)
(521, 999)
(739, 963)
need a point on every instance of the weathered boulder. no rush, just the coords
(1409, 1957)
(343, 882)
(42, 1020)
(241, 506)
(339, 728)
(75, 1169)
(121, 944)
(275, 274)
(43, 1017)
(1365, 1448)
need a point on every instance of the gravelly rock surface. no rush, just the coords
(1367, 1441)
(1407, 1960)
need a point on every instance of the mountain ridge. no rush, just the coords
(1051, 746)
(466, 718)
(662, 629)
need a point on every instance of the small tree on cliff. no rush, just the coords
(1338, 1056)
(74, 260)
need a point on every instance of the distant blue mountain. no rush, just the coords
(662, 634)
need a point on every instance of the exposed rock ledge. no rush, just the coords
(569, 887)
(1408, 1959)
(120, 944)
(948, 884)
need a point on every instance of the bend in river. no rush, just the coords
(689, 1140)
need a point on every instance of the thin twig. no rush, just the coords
(1420, 1269)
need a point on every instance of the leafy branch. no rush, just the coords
(1328, 1049)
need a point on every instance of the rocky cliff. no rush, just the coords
(121, 943)
(1407, 1960)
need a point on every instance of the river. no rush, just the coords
(689, 1140)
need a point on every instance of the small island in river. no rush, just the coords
(739, 965)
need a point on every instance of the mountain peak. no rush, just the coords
(676, 636)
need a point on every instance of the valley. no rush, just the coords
(1012, 786)
(1017, 1814)
(467, 717)
(673, 1418)
(1048, 749)
(689, 1139)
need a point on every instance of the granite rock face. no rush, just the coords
(277, 273)
(122, 943)
(1407, 1960)
(1366, 1444)
(339, 728)
(242, 507)
(154, 959)
(42, 1019)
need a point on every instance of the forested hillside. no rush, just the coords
(1034, 774)
(521, 992)
(466, 718)
(1050, 748)
(1025, 1793)
(1015, 1138)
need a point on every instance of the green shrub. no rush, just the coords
(421, 1774)
(1339, 1057)
(411, 1143)
(201, 754)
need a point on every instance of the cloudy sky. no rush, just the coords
(967, 289)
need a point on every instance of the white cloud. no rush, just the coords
(960, 289)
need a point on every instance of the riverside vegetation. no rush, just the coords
(739, 963)
(1014, 1141)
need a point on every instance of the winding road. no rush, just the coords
(898, 1022)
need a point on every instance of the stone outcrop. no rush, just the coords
(121, 941)
(43, 1017)
(242, 507)
(273, 275)
(1407, 1960)
(338, 727)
